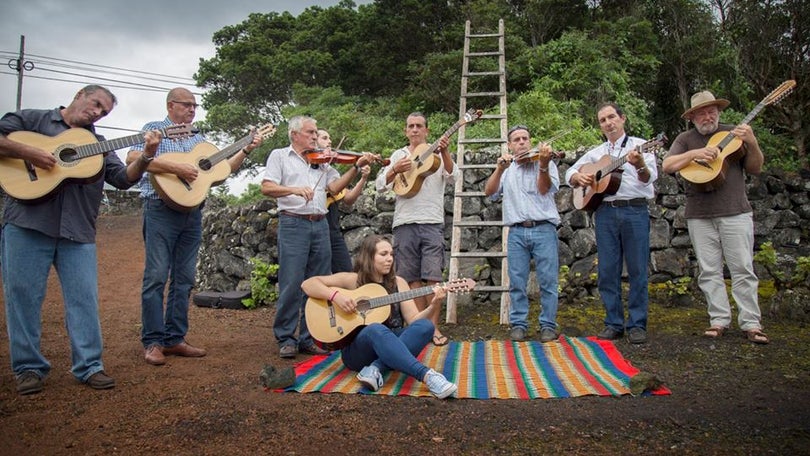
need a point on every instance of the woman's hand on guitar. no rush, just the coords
(345, 303)
(439, 293)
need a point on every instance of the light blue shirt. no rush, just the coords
(522, 202)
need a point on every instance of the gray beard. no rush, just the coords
(707, 128)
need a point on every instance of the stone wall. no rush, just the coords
(232, 235)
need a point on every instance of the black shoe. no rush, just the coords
(636, 335)
(517, 334)
(29, 383)
(609, 334)
(548, 334)
(312, 349)
(100, 381)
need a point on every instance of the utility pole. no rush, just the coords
(21, 65)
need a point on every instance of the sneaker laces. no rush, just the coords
(438, 385)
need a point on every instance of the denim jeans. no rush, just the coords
(304, 251)
(27, 256)
(390, 349)
(523, 245)
(172, 240)
(623, 237)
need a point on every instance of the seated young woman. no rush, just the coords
(394, 344)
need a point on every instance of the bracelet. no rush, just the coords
(332, 298)
(642, 170)
(357, 167)
(146, 159)
(245, 151)
(543, 170)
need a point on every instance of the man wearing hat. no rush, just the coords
(720, 219)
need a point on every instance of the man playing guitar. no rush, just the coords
(418, 225)
(622, 225)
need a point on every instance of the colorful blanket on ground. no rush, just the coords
(493, 369)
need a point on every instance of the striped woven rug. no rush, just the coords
(493, 369)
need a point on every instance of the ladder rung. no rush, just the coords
(484, 35)
(481, 166)
(478, 223)
(483, 94)
(483, 73)
(483, 54)
(471, 194)
(493, 116)
(490, 288)
(478, 255)
(481, 141)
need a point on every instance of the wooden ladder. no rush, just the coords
(483, 86)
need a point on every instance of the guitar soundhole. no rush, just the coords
(205, 164)
(363, 306)
(68, 155)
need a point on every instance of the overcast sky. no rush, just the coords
(163, 37)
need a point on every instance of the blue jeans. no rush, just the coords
(172, 240)
(390, 349)
(27, 256)
(523, 245)
(304, 251)
(623, 235)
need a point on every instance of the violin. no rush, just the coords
(534, 155)
(343, 157)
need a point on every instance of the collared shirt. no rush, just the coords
(522, 202)
(285, 167)
(166, 145)
(72, 211)
(425, 207)
(631, 187)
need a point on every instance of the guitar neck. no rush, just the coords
(747, 120)
(231, 150)
(386, 300)
(432, 149)
(97, 148)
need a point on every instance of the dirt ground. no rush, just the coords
(728, 396)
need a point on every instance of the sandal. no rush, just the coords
(439, 340)
(756, 336)
(714, 332)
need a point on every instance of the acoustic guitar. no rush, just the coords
(707, 176)
(607, 176)
(424, 160)
(335, 329)
(212, 169)
(78, 159)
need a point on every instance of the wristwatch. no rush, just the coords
(146, 159)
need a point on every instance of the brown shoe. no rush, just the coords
(100, 381)
(312, 349)
(154, 355)
(184, 349)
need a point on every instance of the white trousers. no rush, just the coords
(731, 238)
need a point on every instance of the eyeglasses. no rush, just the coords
(186, 104)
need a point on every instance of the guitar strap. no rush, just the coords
(621, 148)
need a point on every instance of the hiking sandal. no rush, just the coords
(714, 332)
(756, 336)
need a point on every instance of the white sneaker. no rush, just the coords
(438, 385)
(370, 377)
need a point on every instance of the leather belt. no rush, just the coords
(530, 223)
(310, 217)
(625, 203)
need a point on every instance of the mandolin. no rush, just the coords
(424, 160)
(707, 176)
(212, 169)
(78, 159)
(335, 329)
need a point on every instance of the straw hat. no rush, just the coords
(702, 99)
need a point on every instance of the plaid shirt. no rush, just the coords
(166, 145)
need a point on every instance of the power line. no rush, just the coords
(15, 54)
(91, 81)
